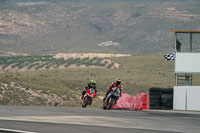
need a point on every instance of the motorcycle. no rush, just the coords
(112, 98)
(88, 97)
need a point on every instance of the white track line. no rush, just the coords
(15, 131)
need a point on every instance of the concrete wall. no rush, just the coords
(186, 98)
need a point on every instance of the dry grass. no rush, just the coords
(137, 72)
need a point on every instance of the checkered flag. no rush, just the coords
(169, 56)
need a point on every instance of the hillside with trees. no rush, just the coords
(111, 26)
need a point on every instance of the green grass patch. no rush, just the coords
(46, 61)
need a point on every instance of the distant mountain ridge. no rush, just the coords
(109, 26)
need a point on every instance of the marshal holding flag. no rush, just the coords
(171, 56)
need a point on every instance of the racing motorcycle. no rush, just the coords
(88, 97)
(112, 98)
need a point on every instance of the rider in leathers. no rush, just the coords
(116, 84)
(91, 84)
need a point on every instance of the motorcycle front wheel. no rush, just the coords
(104, 106)
(110, 103)
(86, 102)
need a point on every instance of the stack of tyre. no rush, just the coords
(161, 98)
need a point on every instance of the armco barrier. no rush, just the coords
(140, 102)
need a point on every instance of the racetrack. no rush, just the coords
(90, 120)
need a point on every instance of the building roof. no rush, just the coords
(183, 31)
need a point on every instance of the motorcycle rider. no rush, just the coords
(116, 84)
(91, 84)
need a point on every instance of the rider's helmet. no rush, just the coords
(118, 81)
(93, 83)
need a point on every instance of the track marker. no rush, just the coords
(15, 131)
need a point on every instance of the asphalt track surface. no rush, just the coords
(89, 120)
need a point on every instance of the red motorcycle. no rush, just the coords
(88, 97)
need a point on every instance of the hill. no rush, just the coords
(23, 63)
(57, 80)
(117, 26)
(62, 87)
